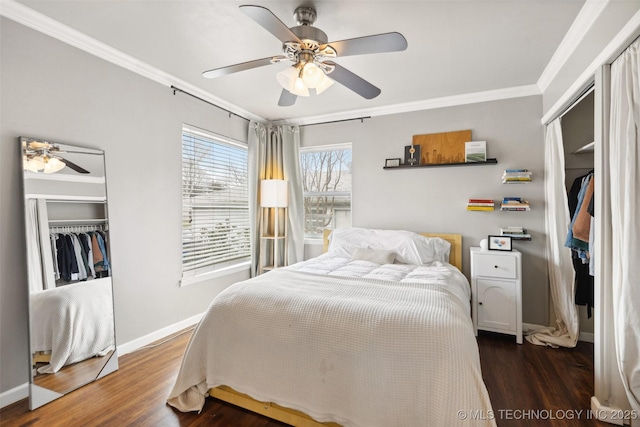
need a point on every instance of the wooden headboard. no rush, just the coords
(455, 255)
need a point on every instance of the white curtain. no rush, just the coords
(274, 153)
(624, 166)
(34, 261)
(559, 264)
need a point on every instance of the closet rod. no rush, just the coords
(580, 97)
(77, 228)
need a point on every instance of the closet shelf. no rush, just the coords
(587, 148)
(78, 221)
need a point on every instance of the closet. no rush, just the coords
(78, 239)
(578, 141)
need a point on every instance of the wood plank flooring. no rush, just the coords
(520, 379)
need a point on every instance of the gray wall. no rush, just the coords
(54, 91)
(434, 199)
(612, 19)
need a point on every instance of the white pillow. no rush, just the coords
(377, 256)
(409, 247)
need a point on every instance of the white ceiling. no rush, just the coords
(455, 47)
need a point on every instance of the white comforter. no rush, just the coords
(73, 322)
(359, 351)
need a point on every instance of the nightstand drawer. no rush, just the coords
(496, 266)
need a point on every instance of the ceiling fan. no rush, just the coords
(44, 156)
(307, 47)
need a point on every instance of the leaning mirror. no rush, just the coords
(71, 322)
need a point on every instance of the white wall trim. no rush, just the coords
(427, 104)
(587, 16)
(22, 391)
(608, 414)
(14, 395)
(620, 42)
(35, 20)
(131, 346)
(42, 23)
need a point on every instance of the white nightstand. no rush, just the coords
(496, 291)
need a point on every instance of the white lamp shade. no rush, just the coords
(324, 85)
(53, 165)
(288, 78)
(35, 164)
(273, 193)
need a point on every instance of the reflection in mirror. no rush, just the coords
(71, 323)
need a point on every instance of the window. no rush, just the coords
(215, 204)
(326, 183)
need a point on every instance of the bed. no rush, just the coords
(71, 323)
(376, 331)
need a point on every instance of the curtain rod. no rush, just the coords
(336, 121)
(175, 89)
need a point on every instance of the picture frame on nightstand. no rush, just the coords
(499, 243)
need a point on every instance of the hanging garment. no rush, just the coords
(67, 263)
(584, 282)
(582, 226)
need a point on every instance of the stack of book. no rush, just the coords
(480, 205)
(516, 176)
(516, 233)
(514, 204)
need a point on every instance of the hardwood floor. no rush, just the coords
(520, 378)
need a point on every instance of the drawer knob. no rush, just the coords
(495, 266)
(479, 302)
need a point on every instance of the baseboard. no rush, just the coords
(530, 327)
(21, 392)
(131, 346)
(14, 395)
(608, 414)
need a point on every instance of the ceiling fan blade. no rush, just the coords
(73, 166)
(353, 81)
(270, 22)
(217, 72)
(287, 98)
(379, 43)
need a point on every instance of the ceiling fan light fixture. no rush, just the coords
(312, 75)
(324, 85)
(35, 164)
(289, 78)
(53, 165)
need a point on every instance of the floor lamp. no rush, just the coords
(274, 195)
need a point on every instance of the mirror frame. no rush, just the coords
(83, 174)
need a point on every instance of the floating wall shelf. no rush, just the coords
(405, 166)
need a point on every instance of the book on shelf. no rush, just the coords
(513, 229)
(480, 205)
(515, 208)
(516, 176)
(515, 232)
(475, 151)
(480, 208)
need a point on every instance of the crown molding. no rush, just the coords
(37, 21)
(587, 16)
(614, 48)
(427, 104)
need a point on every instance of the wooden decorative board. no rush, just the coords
(445, 147)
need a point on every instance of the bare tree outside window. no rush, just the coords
(326, 180)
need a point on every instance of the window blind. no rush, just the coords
(215, 202)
